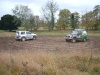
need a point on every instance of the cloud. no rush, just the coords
(78, 4)
(5, 8)
(35, 5)
(8, 5)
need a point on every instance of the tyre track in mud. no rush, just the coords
(49, 43)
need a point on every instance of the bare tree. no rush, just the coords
(49, 11)
(23, 12)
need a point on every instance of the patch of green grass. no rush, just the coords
(49, 71)
(94, 33)
(55, 32)
(52, 32)
(4, 70)
(95, 70)
(1, 30)
(7, 34)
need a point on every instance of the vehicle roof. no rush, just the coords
(80, 29)
(22, 31)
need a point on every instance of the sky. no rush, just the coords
(81, 6)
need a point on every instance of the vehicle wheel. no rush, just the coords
(73, 40)
(84, 40)
(34, 37)
(16, 39)
(66, 40)
(23, 39)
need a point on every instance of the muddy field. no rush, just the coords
(51, 43)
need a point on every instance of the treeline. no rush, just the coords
(24, 17)
(91, 20)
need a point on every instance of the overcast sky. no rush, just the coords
(80, 6)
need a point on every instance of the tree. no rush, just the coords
(43, 25)
(24, 13)
(0, 25)
(49, 11)
(77, 17)
(9, 22)
(32, 22)
(37, 21)
(96, 14)
(91, 19)
(64, 18)
(96, 11)
(75, 20)
(88, 20)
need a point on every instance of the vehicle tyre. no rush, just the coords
(73, 40)
(84, 40)
(23, 39)
(66, 40)
(16, 39)
(34, 37)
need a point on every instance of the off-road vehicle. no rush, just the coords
(25, 35)
(77, 34)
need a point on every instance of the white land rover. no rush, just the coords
(25, 35)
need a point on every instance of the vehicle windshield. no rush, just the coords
(28, 32)
(17, 33)
(74, 32)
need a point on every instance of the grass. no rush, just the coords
(94, 33)
(7, 34)
(60, 32)
(10, 34)
(48, 63)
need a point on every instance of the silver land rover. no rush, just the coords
(25, 35)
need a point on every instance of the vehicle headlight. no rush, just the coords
(71, 36)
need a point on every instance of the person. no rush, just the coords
(84, 32)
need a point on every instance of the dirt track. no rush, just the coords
(49, 43)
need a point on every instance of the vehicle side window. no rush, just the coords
(80, 32)
(22, 33)
(28, 32)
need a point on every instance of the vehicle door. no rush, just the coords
(29, 35)
(79, 34)
(22, 34)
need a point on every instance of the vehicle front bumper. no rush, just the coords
(17, 37)
(68, 38)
